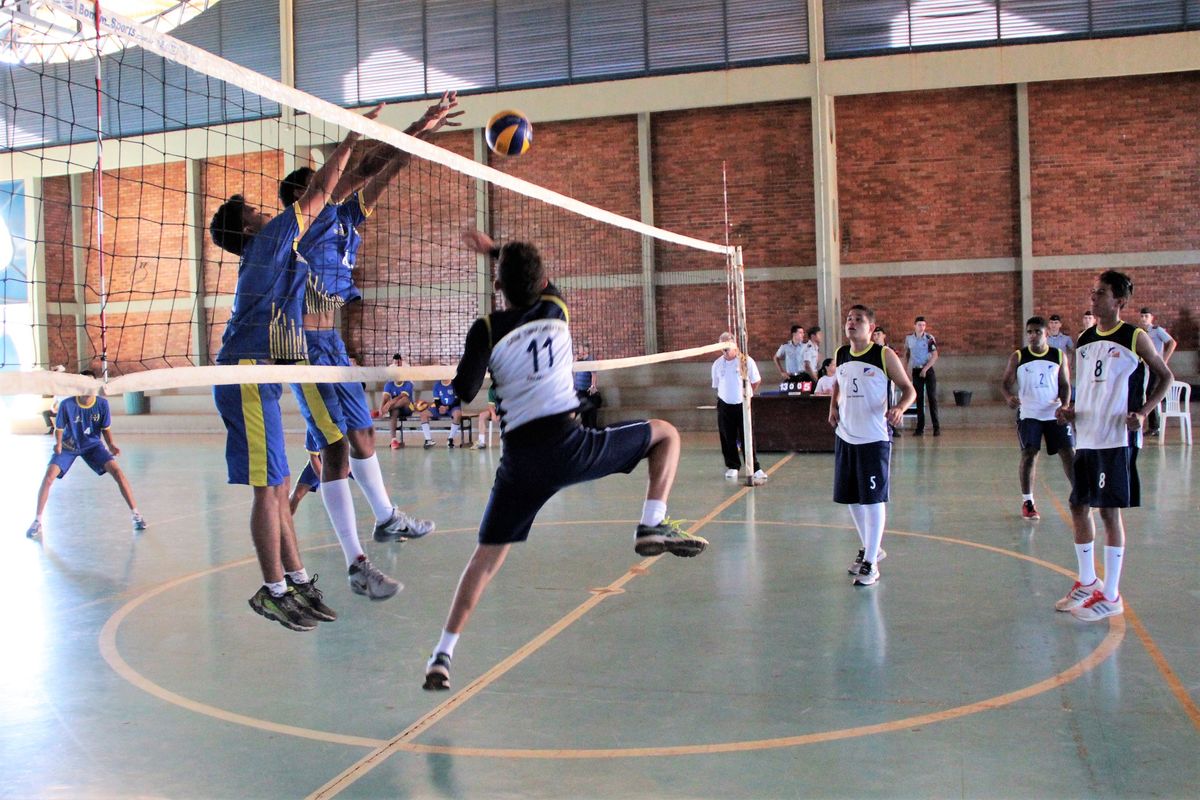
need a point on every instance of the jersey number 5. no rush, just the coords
(533, 351)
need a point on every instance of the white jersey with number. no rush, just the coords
(862, 395)
(531, 370)
(1037, 382)
(1110, 382)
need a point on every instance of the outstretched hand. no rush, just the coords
(478, 241)
(438, 116)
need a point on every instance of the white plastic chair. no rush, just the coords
(1176, 404)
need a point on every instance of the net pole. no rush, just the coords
(739, 294)
(98, 189)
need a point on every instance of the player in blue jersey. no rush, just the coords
(266, 327)
(1111, 406)
(860, 412)
(397, 403)
(446, 405)
(1037, 382)
(338, 415)
(81, 430)
(527, 349)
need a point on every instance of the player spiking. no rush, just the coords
(1043, 380)
(338, 415)
(1110, 408)
(858, 410)
(527, 348)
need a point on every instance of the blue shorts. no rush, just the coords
(434, 413)
(331, 409)
(309, 478)
(1030, 433)
(1107, 478)
(95, 457)
(254, 446)
(549, 454)
(860, 472)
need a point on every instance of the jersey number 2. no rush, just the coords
(533, 351)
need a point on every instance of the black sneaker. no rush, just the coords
(285, 610)
(667, 537)
(428, 444)
(310, 598)
(437, 673)
(450, 444)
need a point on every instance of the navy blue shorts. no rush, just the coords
(1107, 478)
(544, 456)
(860, 472)
(1030, 433)
(436, 413)
(95, 457)
(309, 478)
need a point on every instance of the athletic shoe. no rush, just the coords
(401, 527)
(35, 530)
(396, 444)
(1029, 510)
(428, 444)
(285, 610)
(437, 673)
(310, 598)
(1152, 433)
(759, 477)
(1098, 607)
(937, 431)
(868, 575)
(450, 445)
(1078, 595)
(731, 474)
(366, 579)
(480, 445)
(667, 537)
(139, 524)
(857, 563)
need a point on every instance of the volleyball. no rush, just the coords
(509, 133)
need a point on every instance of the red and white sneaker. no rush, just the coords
(1078, 595)
(1029, 510)
(396, 445)
(1098, 607)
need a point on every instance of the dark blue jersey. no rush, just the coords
(444, 395)
(82, 422)
(330, 246)
(397, 389)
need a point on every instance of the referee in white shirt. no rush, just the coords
(727, 380)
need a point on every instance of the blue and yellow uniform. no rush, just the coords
(398, 389)
(266, 326)
(330, 247)
(445, 400)
(82, 422)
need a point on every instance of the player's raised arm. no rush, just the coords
(440, 114)
(321, 188)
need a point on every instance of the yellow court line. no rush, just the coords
(1156, 655)
(402, 739)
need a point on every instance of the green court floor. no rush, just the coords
(133, 666)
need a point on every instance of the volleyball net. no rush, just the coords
(118, 163)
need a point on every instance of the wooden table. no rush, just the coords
(797, 423)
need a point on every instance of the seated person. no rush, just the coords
(828, 377)
(397, 402)
(445, 405)
(488, 414)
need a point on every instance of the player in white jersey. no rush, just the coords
(528, 350)
(1037, 382)
(1110, 408)
(859, 411)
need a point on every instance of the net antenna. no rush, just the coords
(167, 286)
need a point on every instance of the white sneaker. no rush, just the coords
(1078, 595)
(480, 444)
(759, 477)
(1098, 607)
(35, 530)
(868, 575)
(857, 562)
(366, 579)
(731, 474)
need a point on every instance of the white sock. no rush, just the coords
(426, 432)
(39, 517)
(446, 643)
(481, 438)
(653, 512)
(860, 523)
(1087, 563)
(299, 576)
(276, 589)
(339, 504)
(453, 429)
(1028, 498)
(1114, 559)
(876, 516)
(369, 478)
(133, 511)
